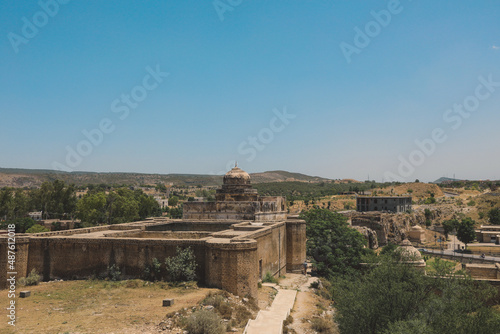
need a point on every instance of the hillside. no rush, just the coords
(417, 190)
(31, 178)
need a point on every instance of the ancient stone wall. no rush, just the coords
(295, 244)
(271, 249)
(232, 266)
(483, 271)
(72, 258)
(21, 259)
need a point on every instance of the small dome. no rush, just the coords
(416, 228)
(236, 176)
(408, 252)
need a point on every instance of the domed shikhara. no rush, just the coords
(236, 187)
(408, 252)
(410, 255)
(236, 176)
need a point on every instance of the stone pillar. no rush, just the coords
(295, 244)
(232, 266)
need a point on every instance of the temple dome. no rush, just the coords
(236, 176)
(409, 253)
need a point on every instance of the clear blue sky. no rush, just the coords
(225, 78)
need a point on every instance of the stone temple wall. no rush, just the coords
(232, 259)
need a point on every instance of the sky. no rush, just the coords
(386, 90)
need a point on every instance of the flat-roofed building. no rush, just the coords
(383, 203)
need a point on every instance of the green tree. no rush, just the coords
(22, 224)
(494, 215)
(55, 199)
(92, 208)
(175, 213)
(182, 266)
(465, 231)
(449, 226)
(173, 201)
(334, 247)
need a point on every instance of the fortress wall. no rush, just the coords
(72, 258)
(271, 249)
(295, 244)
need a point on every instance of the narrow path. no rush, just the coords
(270, 321)
(305, 304)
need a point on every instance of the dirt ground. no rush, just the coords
(97, 307)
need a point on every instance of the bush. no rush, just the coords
(242, 315)
(37, 229)
(114, 273)
(322, 325)
(269, 278)
(152, 271)
(204, 322)
(182, 267)
(32, 279)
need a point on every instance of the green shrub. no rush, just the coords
(204, 322)
(114, 273)
(182, 266)
(152, 271)
(269, 278)
(37, 229)
(32, 279)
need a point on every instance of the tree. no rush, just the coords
(450, 226)
(173, 201)
(92, 208)
(334, 246)
(494, 215)
(21, 224)
(465, 231)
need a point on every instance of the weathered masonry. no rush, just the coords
(386, 203)
(236, 240)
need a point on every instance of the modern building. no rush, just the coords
(383, 203)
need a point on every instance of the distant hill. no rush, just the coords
(20, 178)
(445, 179)
(284, 176)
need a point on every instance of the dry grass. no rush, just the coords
(99, 306)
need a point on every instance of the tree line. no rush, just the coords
(57, 200)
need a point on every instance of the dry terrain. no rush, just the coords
(133, 306)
